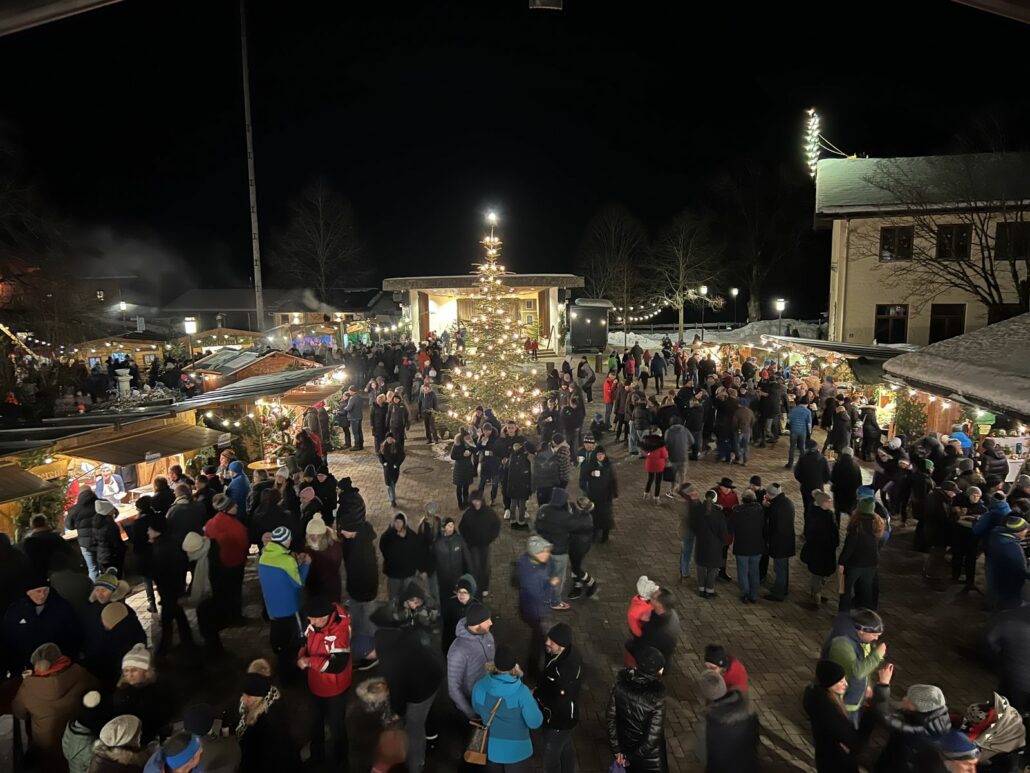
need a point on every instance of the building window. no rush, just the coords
(896, 242)
(953, 241)
(1012, 241)
(891, 324)
(531, 304)
(529, 319)
(947, 320)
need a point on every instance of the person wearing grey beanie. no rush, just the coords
(727, 730)
(536, 581)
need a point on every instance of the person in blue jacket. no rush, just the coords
(799, 422)
(1006, 563)
(282, 576)
(536, 590)
(501, 693)
(238, 488)
(995, 516)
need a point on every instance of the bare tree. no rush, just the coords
(767, 220)
(960, 224)
(610, 258)
(685, 257)
(319, 247)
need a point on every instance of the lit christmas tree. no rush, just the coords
(496, 372)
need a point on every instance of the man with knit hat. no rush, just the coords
(558, 696)
(282, 577)
(536, 588)
(221, 752)
(959, 753)
(1005, 566)
(233, 542)
(852, 644)
(38, 616)
(554, 523)
(914, 730)
(473, 647)
(181, 753)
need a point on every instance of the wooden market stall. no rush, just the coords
(144, 349)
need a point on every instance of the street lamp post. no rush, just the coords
(122, 307)
(190, 326)
(780, 306)
(704, 295)
(734, 292)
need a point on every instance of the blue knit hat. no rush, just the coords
(282, 536)
(956, 745)
(1015, 524)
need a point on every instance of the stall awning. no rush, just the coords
(16, 483)
(148, 446)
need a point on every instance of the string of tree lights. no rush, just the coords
(495, 372)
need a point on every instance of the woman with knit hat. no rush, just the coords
(859, 559)
(139, 692)
(206, 591)
(120, 747)
(837, 741)
(326, 554)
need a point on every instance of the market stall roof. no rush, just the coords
(309, 395)
(150, 445)
(254, 387)
(147, 341)
(21, 439)
(226, 361)
(865, 360)
(16, 483)
(989, 367)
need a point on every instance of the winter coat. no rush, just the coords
(1005, 567)
(994, 462)
(464, 464)
(602, 489)
(402, 556)
(121, 759)
(479, 528)
(517, 714)
(232, 538)
(378, 417)
(169, 566)
(518, 481)
(747, 522)
(466, 664)
(103, 650)
(80, 518)
(392, 457)
(659, 631)
(324, 577)
(858, 659)
(77, 746)
(832, 729)
(185, 516)
(42, 547)
(656, 457)
(546, 468)
(534, 588)
(553, 523)
(912, 745)
(267, 518)
(799, 420)
(781, 527)
(861, 550)
(266, 745)
(937, 517)
(51, 700)
(812, 471)
(839, 435)
(845, 479)
(282, 579)
(487, 453)
(635, 719)
(414, 669)
(558, 690)
(328, 653)
(450, 556)
(360, 565)
(152, 702)
(727, 735)
(678, 440)
(397, 419)
(108, 546)
(24, 630)
(821, 537)
(708, 522)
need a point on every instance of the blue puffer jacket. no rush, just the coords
(799, 420)
(1005, 568)
(517, 714)
(282, 579)
(534, 588)
(238, 488)
(992, 519)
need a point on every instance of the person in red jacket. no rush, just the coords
(326, 658)
(731, 669)
(656, 456)
(726, 497)
(638, 613)
(611, 386)
(233, 546)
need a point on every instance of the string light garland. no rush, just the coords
(496, 372)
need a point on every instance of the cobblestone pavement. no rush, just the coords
(930, 635)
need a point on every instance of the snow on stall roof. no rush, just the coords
(990, 366)
(749, 333)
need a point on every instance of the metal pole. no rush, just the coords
(702, 320)
(259, 300)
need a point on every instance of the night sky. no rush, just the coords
(426, 114)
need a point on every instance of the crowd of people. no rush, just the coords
(88, 676)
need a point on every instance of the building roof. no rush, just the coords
(227, 361)
(148, 445)
(856, 186)
(16, 483)
(242, 299)
(989, 367)
(472, 280)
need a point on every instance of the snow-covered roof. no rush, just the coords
(877, 185)
(989, 367)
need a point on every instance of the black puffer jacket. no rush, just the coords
(837, 742)
(912, 744)
(993, 462)
(80, 518)
(635, 720)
